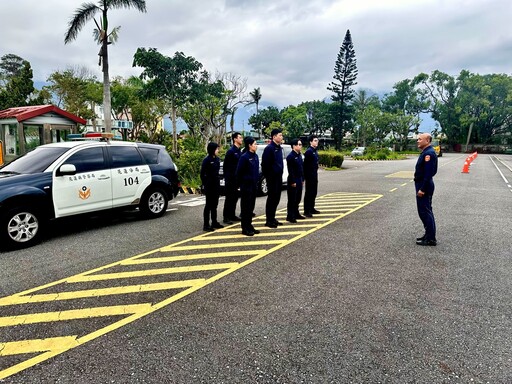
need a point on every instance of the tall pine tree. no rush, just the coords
(345, 74)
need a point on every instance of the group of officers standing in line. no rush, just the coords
(241, 175)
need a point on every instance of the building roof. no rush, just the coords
(25, 113)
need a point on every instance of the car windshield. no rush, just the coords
(34, 161)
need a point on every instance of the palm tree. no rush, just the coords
(256, 97)
(82, 15)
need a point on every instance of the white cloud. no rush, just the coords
(288, 49)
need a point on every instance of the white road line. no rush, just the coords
(502, 176)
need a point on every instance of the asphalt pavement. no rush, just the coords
(355, 301)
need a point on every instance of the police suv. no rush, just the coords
(70, 178)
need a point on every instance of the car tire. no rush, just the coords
(21, 227)
(153, 203)
(263, 187)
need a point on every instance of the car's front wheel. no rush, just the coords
(153, 203)
(21, 227)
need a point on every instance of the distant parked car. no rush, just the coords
(358, 151)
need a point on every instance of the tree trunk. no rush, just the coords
(107, 106)
(174, 130)
(469, 136)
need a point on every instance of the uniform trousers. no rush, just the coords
(275, 185)
(310, 195)
(231, 190)
(294, 197)
(210, 208)
(424, 205)
(247, 203)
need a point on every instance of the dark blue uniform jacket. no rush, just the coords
(248, 171)
(311, 164)
(210, 173)
(295, 168)
(272, 161)
(426, 168)
(230, 163)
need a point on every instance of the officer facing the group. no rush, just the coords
(247, 175)
(231, 188)
(272, 168)
(426, 168)
(311, 177)
(211, 187)
(294, 181)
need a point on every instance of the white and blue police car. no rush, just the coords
(70, 178)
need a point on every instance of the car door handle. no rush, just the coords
(103, 177)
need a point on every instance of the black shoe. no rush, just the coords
(308, 215)
(236, 218)
(291, 220)
(420, 238)
(315, 211)
(227, 221)
(278, 222)
(217, 225)
(427, 242)
(208, 228)
(300, 217)
(248, 233)
(271, 225)
(255, 231)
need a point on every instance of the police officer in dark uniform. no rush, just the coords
(247, 175)
(294, 181)
(211, 187)
(230, 187)
(311, 177)
(272, 168)
(426, 168)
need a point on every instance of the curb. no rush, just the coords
(190, 191)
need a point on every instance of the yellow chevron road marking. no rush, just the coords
(190, 257)
(215, 247)
(33, 346)
(73, 314)
(150, 272)
(99, 292)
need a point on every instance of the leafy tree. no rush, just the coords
(362, 114)
(169, 78)
(295, 121)
(318, 116)
(442, 90)
(18, 89)
(10, 65)
(75, 90)
(345, 74)
(261, 121)
(82, 15)
(206, 111)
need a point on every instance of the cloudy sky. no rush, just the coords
(286, 47)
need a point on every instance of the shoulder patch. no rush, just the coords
(427, 158)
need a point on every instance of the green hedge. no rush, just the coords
(330, 159)
(189, 167)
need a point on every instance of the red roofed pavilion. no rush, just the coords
(23, 128)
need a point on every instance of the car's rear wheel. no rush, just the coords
(21, 227)
(263, 186)
(153, 202)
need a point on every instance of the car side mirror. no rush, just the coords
(66, 170)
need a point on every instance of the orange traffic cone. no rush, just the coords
(465, 168)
